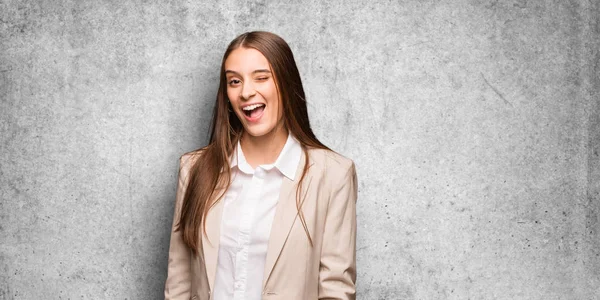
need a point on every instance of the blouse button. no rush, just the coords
(260, 173)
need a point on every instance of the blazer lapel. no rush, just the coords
(285, 216)
(210, 241)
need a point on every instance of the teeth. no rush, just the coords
(253, 106)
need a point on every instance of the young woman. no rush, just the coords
(265, 211)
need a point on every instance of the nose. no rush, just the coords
(248, 90)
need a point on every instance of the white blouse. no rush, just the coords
(249, 208)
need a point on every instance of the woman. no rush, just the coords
(265, 211)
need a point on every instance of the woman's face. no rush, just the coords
(252, 91)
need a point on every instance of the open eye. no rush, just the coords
(234, 81)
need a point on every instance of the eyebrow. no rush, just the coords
(253, 72)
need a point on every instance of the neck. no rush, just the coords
(261, 150)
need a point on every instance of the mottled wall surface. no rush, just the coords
(474, 125)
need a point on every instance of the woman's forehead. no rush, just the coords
(246, 60)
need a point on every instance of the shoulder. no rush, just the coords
(188, 159)
(330, 162)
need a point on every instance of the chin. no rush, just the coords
(258, 131)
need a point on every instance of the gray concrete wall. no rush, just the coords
(474, 125)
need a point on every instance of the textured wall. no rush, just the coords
(474, 125)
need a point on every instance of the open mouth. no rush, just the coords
(253, 111)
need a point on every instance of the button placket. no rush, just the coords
(241, 258)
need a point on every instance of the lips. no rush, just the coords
(253, 112)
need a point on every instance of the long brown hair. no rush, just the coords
(210, 175)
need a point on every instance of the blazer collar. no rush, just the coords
(210, 241)
(286, 214)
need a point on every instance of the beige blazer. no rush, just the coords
(294, 269)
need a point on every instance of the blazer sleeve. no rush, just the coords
(178, 283)
(337, 272)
